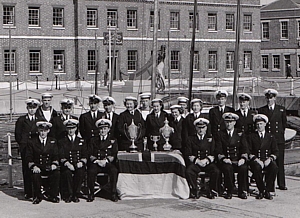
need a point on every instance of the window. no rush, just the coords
(91, 60)
(191, 20)
(229, 60)
(298, 62)
(298, 29)
(265, 30)
(174, 20)
(59, 61)
(230, 22)
(196, 61)
(33, 16)
(276, 62)
(34, 61)
(112, 17)
(247, 22)
(8, 15)
(132, 60)
(9, 67)
(265, 62)
(152, 20)
(175, 61)
(212, 60)
(284, 30)
(132, 19)
(248, 60)
(212, 22)
(92, 18)
(58, 17)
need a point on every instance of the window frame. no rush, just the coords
(132, 21)
(276, 62)
(58, 21)
(92, 19)
(61, 54)
(191, 19)
(6, 62)
(196, 63)
(151, 20)
(8, 18)
(230, 62)
(263, 63)
(282, 37)
(132, 63)
(247, 56)
(33, 62)
(215, 23)
(175, 61)
(174, 23)
(113, 21)
(231, 23)
(212, 66)
(91, 62)
(247, 24)
(265, 35)
(31, 16)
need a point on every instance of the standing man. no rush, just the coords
(263, 152)
(103, 151)
(215, 113)
(183, 102)
(59, 129)
(25, 129)
(109, 106)
(245, 121)
(46, 112)
(73, 160)
(87, 120)
(276, 126)
(145, 104)
(232, 150)
(201, 154)
(42, 158)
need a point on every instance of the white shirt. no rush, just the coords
(230, 132)
(272, 107)
(103, 138)
(110, 116)
(47, 115)
(31, 117)
(72, 138)
(200, 137)
(157, 114)
(197, 114)
(244, 112)
(43, 140)
(94, 114)
(222, 108)
(66, 117)
(262, 134)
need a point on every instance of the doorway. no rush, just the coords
(116, 68)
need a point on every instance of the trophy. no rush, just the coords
(132, 132)
(166, 132)
(155, 138)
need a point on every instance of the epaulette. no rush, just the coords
(240, 133)
(112, 141)
(52, 142)
(209, 139)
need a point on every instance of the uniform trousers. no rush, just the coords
(71, 181)
(280, 164)
(270, 176)
(228, 171)
(27, 180)
(94, 169)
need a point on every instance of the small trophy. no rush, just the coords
(132, 132)
(155, 138)
(166, 132)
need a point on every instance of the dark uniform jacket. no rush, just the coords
(216, 120)
(188, 128)
(200, 148)
(87, 127)
(25, 130)
(40, 155)
(277, 121)
(113, 130)
(176, 138)
(40, 116)
(245, 124)
(58, 128)
(262, 148)
(232, 147)
(74, 152)
(126, 118)
(100, 150)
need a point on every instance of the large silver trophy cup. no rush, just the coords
(132, 132)
(166, 132)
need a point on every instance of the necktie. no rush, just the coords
(261, 136)
(94, 116)
(245, 115)
(108, 116)
(196, 117)
(270, 108)
(43, 142)
(156, 115)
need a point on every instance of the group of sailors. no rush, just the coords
(63, 149)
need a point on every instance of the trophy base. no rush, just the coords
(133, 151)
(167, 147)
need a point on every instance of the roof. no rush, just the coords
(282, 5)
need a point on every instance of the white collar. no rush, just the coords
(72, 138)
(262, 133)
(230, 132)
(200, 137)
(41, 140)
(31, 117)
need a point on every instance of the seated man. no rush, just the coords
(42, 158)
(73, 159)
(201, 154)
(263, 152)
(232, 150)
(103, 153)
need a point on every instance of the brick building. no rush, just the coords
(57, 37)
(280, 44)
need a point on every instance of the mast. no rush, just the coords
(154, 54)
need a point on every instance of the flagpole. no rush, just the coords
(154, 54)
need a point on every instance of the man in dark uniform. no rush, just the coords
(232, 150)
(87, 120)
(201, 154)
(73, 159)
(58, 128)
(245, 121)
(263, 152)
(42, 158)
(183, 102)
(176, 122)
(25, 129)
(276, 126)
(103, 154)
(109, 104)
(215, 114)
(128, 117)
(145, 104)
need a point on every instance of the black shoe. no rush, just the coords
(75, 199)
(68, 200)
(114, 197)
(90, 198)
(195, 194)
(259, 196)
(212, 194)
(36, 200)
(54, 199)
(228, 195)
(27, 196)
(267, 195)
(243, 195)
(284, 188)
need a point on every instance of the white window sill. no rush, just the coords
(131, 71)
(230, 31)
(265, 40)
(275, 70)
(34, 27)
(132, 29)
(174, 30)
(58, 28)
(12, 73)
(247, 32)
(175, 71)
(59, 73)
(284, 39)
(247, 71)
(212, 71)
(92, 28)
(212, 31)
(229, 71)
(265, 70)
(35, 74)
(9, 26)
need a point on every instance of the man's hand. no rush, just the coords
(241, 162)
(36, 169)
(70, 166)
(79, 164)
(53, 167)
(203, 162)
(267, 162)
(101, 163)
(227, 161)
(259, 162)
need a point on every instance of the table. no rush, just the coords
(150, 175)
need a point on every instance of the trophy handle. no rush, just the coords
(140, 131)
(125, 132)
